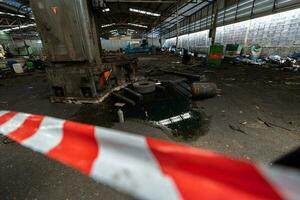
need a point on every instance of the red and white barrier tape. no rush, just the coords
(148, 168)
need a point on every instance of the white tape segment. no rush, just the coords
(47, 136)
(129, 164)
(148, 168)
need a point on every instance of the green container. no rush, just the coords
(232, 51)
(255, 52)
(214, 62)
(29, 65)
(215, 55)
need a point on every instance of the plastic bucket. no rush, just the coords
(18, 68)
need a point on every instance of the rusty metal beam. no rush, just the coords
(197, 4)
(141, 1)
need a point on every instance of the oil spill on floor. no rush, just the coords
(172, 110)
(97, 114)
(162, 108)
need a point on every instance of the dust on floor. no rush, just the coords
(255, 116)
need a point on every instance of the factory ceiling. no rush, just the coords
(139, 15)
(135, 14)
(15, 14)
(150, 14)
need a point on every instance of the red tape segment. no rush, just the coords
(5, 116)
(78, 147)
(210, 176)
(148, 168)
(27, 129)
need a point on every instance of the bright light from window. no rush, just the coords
(144, 12)
(18, 27)
(107, 25)
(10, 14)
(138, 25)
(106, 10)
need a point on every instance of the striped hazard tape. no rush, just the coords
(148, 168)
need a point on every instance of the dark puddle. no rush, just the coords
(170, 109)
(97, 114)
(166, 109)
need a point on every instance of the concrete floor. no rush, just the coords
(247, 94)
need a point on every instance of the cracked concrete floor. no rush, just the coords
(249, 94)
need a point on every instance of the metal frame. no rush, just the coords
(190, 12)
(167, 32)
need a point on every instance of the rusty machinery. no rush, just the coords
(71, 45)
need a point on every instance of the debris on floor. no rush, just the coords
(237, 128)
(20, 66)
(272, 61)
(204, 90)
(246, 60)
(288, 63)
(164, 99)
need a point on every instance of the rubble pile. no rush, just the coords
(289, 63)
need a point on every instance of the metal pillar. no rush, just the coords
(213, 27)
(71, 45)
(152, 38)
(177, 26)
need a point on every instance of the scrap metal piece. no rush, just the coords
(123, 98)
(187, 75)
(181, 89)
(204, 90)
(134, 93)
(160, 87)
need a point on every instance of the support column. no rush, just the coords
(98, 33)
(217, 5)
(177, 26)
(152, 37)
(213, 26)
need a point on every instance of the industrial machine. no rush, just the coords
(71, 44)
(142, 47)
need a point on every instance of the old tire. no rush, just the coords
(144, 87)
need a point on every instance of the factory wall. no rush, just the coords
(229, 12)
(115, 45)
(17, 47)
(277, 34)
